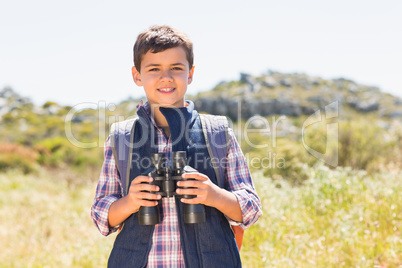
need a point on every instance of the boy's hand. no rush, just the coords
(138, 198)
(122, 208)
(206, 191)
(210, 194)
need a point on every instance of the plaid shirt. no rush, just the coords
(166, 246)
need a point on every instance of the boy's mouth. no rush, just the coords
(166, 89)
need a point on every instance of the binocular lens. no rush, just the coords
(158, 160)
(149, 216)
(179, 159)
(194, 213)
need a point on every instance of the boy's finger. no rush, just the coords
(148, 203)
(195, 200)
(145, 187)
(150, 196)
(193, 191)
(197, 176)
(189, 183)
(141, 178)
(185, 191)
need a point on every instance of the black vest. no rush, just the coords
(208, 244)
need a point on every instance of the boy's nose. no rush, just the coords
(166, 76)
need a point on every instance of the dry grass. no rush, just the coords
(45, 222)
(339, 218)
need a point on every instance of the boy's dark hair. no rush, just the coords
(159, 38)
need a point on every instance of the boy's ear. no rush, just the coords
(190, 75)
(136, 76)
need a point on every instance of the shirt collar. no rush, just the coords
(147, 108)
(144, 109)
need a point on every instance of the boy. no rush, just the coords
(163, 66)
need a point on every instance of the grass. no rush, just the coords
(338, 218)
(45, 222)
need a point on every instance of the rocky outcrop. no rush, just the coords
(293, 94)
(253, 85)
(246, 108)
(10, 100)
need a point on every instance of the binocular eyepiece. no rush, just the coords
(166, 178)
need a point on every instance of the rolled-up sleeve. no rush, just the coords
(238, 181)
(108, 190)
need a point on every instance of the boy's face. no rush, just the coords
(164, 76)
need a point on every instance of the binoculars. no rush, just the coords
(166, 178)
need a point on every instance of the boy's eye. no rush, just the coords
(177, 68)
(153, 69)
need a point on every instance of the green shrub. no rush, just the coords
(363, 145)
(283, 158)
(291, 160)
(59, 152)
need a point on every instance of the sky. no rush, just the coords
(75, 52)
